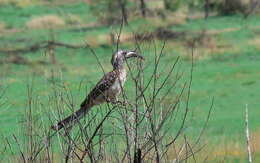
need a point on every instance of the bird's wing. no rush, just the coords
(104, 84)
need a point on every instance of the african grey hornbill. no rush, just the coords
(106, 90)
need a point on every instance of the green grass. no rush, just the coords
(231, 77)
(218, 23)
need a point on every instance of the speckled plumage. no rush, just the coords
(106, 90)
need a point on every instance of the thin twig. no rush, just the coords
(248, 136)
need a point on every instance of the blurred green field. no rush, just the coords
(226, 68)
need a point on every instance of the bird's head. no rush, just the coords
(120, 56)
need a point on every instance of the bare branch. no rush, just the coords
(248, 136)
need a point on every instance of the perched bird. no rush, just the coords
(106, 90)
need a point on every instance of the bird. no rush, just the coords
(106, 90)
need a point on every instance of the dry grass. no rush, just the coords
(179, 17)
(171, 18)
(212, 152)
(2, 26)
(211, 50)
(255, 137)
(47, 21)
(208, 45)
(155, 4)
(218, 31)
(101, 39)
(154, 22)
(126, 37)
(228, 149)
(255, 42)
(79, 70)
(20, 3)
(3, 2)
(233, 149)
(72, 19)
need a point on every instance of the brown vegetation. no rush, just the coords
(72, 19)
(47, 21)
(2, 26)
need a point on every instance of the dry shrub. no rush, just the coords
(15, 59)
(235, 6)
(47, 21)
(205, 45)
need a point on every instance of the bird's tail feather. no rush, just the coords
(72, 119)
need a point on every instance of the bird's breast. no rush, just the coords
(122, 76)
(119, 82)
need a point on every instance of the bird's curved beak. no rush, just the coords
(133, 53)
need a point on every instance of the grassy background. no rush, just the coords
(226, 68)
